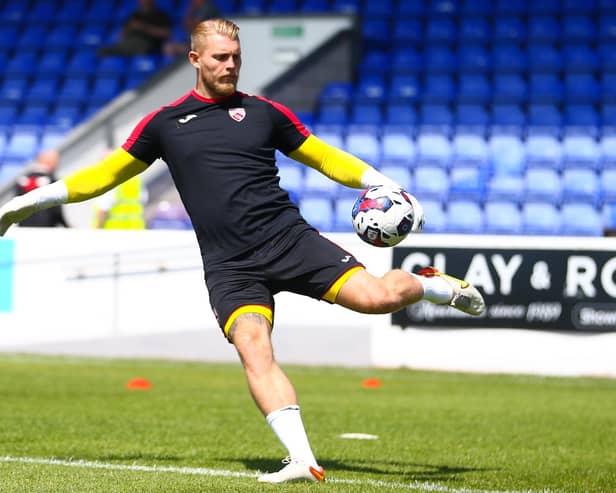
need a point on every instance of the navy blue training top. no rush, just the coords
(221, 155)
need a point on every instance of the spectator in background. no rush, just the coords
(122, 206)
(42, 174)
(143, 33)
(196, 11)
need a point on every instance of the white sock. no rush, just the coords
(436, 289)
(289, 428)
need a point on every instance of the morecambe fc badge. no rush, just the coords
(238, 114)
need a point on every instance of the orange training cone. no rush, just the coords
(371, 383)
(138, 384)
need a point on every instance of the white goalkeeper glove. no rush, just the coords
(373, 178)
(23, 206)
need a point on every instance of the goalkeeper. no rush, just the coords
(219, 145)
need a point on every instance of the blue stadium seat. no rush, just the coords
(281, 7)
(581, 88)
(400, 174)
(581, 185)
(74, 90)
(607, 28)
(439, 59)
(509, 88)
(477, 7)
(502, 217)
(69, 12)
(43, 90)
(52, 138)
(473, 59)
(22, 66)
(336, 92)
(366, 114)
(607, 184)
(509, 58)
(511, 7)
(430, 183)
(577, 6)
(509, 29)
(440, 29)
(34, 114)
(607, 56)
(467, 183)
(411, 9)
(383, 8)
(502, 187)
(406, 32)
(333, 114)
(545, 88)
(507, 154)
(41, 10)
(8, 114)
(61, 37)
(406, 60)
(99, 12)
(507, 119)
(398, 147)
(438, 88)
(346, 6)
(14, 89)
(400, 114)
(464, 217)
(434, 213)
(544, 118)
(404, 88)
(473, 88)
(434, 149)
(470, 149)
(540, 218)
(316, 183)
(112, 65)
(375, 31)
(471, 119)
(31, 38)
(93, 35)
(543, 28)
(66, 115)
(252, 7)
(364, 145)
(145, 65)
(52, 64)
(342, 214)
(581, 119)
(105, 89)
(579, 28)
(22, 145)
(581, 151)
(318, 211)
(544, 57)
(374, 61)
(82, 63)
(370, 88)
(291, 177)
(580, 57)
(474, 29)
(542, 185)
(435, 118)
(607, 146)
(580, 219)
(543, 151)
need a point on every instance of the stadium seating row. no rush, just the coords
(455, 217)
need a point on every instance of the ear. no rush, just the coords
(193, 58)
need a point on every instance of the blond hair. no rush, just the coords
(212, 26)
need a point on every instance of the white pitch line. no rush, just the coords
(202, 471)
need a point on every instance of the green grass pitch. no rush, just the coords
(71, 425)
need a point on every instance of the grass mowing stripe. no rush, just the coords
(201, 471)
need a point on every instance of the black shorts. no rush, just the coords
(300, 261)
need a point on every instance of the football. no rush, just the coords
(383, 216)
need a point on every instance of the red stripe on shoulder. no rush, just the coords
(134, 135)
(289, 114)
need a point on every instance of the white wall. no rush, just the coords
(141, 293)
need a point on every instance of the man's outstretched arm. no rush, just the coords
(82, 185)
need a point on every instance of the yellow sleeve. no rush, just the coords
(96, 179)
(335, 163)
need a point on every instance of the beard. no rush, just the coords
(220, 89)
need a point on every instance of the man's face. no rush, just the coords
(218, 60)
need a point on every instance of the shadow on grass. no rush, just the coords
(412, 471)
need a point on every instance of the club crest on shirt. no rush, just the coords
(238, 114)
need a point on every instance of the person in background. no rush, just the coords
(196, 11)
(122, 207)
(220, 146)
(43, 173)
(143, 33)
